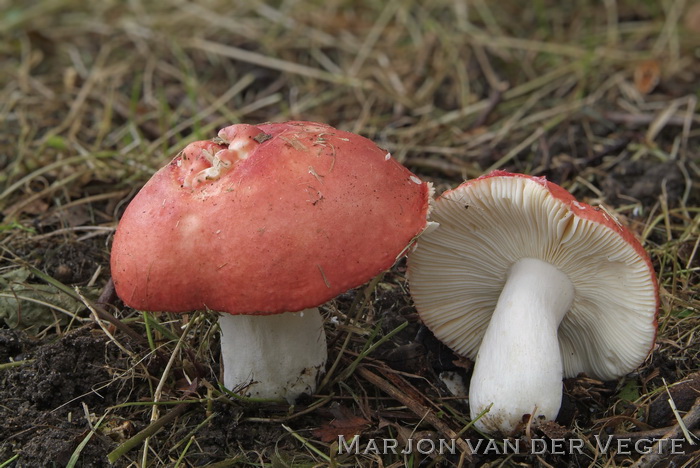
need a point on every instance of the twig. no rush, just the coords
(646, 119)
(495, 98)
(97, 310)
(273, 63)
(121, 326)
(416, 407)
(688, 422)
(108, 294)
(649, 434)
(145, 433)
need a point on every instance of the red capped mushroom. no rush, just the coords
(534, 286)
(267, 220)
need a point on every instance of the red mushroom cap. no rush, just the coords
(269, 218)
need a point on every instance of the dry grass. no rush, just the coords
(599, 97)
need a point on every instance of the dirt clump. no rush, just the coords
(46, 399)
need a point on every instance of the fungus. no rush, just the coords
(264, 224)
(534, 286)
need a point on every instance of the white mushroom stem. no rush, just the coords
(518, 368)
(273, 356)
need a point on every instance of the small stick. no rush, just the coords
(95, 308)
(150, 430)
(494, 99)
(688, 422)
(649, 434)
(645, 119)
(106, 316)
(108, 294)
(417, 408)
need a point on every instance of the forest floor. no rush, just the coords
(599, 97)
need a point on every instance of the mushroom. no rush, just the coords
(534, 286)
(264, 221)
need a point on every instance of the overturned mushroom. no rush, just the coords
(534, 286)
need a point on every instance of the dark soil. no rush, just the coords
(50, 402)
(95, 96)
(45, 402)
(53, 400)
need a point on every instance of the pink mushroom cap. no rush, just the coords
(266, 219)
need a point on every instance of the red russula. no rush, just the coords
(266, 219)
(534, 286)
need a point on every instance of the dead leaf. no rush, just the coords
(647, 75)
(32, 207)
(553, 430)
(345, 424)
(463, 362)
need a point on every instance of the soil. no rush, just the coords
(45, 401)
(110, 91)
(50, 403)
(53, 400)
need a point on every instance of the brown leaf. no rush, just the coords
(646, 76)
(33, 207)
(463, 362)
(554, 430)
(345, 424)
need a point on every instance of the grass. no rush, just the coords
(93, 99)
